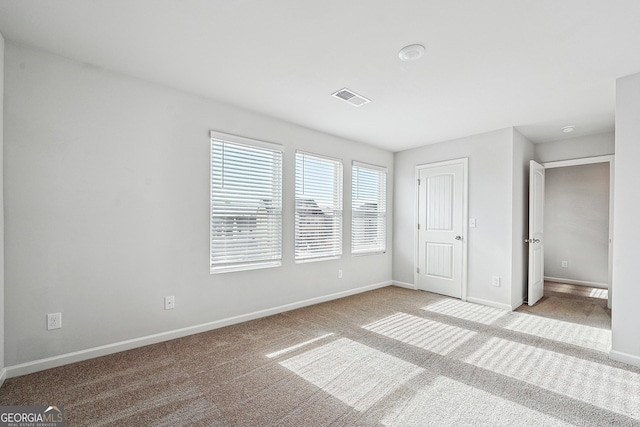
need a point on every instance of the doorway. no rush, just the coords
(578, 225)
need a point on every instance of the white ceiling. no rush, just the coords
(534, 64)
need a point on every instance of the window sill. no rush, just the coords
(244, 267)
(368, 253)
(308, 260)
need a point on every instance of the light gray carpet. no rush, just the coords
(390, 357)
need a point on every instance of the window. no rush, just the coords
(318, 207)
(246, 204)
(369, 209)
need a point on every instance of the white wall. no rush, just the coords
(490, 202)
(576, 224)
(2, 370)
(576, 148)
(626, 234)
(523, 153)
(107, 196)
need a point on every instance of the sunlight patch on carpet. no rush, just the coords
(356, 374)
(466, 311)
(422, 333)
(297, 346)
(452, 403)
(558, 330)
(600, 385)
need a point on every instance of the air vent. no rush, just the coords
(351, 97)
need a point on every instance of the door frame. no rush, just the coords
(465, 218)
(587, 161)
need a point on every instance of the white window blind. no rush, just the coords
(246, 204)
(318, 207)
(369, 209)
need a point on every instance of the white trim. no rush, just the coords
(357, 164)
(630, 359)
(465, 219)
(243, 140)
(488, 303)
(3, 376)
(103, 350)
(317, 259)
(320, 156)
(404, 285)
(244, 267)
(576, 282)
(576, 162)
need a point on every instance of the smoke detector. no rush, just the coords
(351, 97)
(567, 129)
(412, 52)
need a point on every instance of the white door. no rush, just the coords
(441, 228)
(536, 234)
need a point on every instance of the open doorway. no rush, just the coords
(578, 218)
(577, 206)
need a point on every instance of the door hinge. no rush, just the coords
(418, 182)
(418, 270)
(418, 226)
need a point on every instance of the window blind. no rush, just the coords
(246, 206)
(318, 212)
(369, 209)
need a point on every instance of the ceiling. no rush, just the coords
(537, 65)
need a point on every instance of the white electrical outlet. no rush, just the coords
(54, 321)
(169, 303)
(339, 274)
(565, 264)
(495, 281)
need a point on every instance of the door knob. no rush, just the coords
(458, 237)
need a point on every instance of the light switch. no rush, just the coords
(472, 222)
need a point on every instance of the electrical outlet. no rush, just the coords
(495, 281)
(169, 303)
(54, 321)
(565, 264)
(339, 274)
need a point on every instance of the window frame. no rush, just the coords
(339, 212)
(254, 144)
(379, 214)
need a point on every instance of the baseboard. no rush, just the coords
(627, 358)
(3, 376)
(489, 303)
(90, 353)
(404, 285)
(577, 282)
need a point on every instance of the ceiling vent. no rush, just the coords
(351, 97)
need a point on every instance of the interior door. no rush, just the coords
(440, 229)
(536, 232)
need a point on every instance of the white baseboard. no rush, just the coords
(405, 285)
(489, 303)
(103, 350)
(630, 359)
(577, 282)
(3, 376)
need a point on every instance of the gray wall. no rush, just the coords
(625, 316)
(2, 371)
(576, 148)
(490, 202)
(576, 215)
(107, 209)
